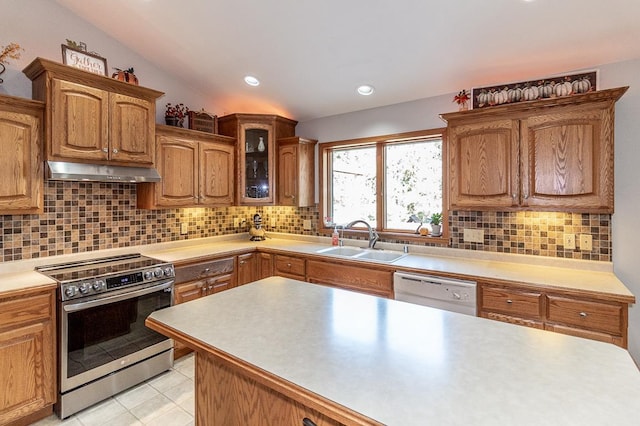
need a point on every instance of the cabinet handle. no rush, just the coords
(242, 262)
(289, 265)
(526, 196)
(513, 196)
(115, 151)
(105, 150)
(509, 301)
(307, 422)
(583, 314)
(205, 270)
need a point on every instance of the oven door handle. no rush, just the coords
(123, 296)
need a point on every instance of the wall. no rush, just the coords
(42, 26)
(623, 234)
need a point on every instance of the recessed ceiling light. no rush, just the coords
(251, 80)
(366, 90)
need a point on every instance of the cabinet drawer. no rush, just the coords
(290, 265)
(204, 269)
(517, 302)
(598, 316)
(38, 307)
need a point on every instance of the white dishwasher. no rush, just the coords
(437, 292)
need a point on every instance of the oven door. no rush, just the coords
(105, 334)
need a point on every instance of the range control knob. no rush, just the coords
(70, 291)
(84, 288)
(98, 285)
(148, 275)
(157, 272)
(168, 271)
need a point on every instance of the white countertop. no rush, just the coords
(404, 364)
(537, 270)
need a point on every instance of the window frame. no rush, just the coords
(380, 142)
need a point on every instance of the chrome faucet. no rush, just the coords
(373, 235)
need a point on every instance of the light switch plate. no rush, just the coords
(184, 228)
(473, 236)
(272, 222)
(569, 241)
(236, 222)
(306, 224)
(586, 242)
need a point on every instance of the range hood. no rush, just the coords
(58, 170)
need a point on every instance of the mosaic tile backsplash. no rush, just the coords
(88, 216)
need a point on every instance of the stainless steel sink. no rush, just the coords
(363, 254)
(380, 256)
(341, 251)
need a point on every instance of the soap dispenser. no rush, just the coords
(335, 237)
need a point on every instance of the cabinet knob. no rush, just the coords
(526, 196)
(583, 314)
(115, 151)
(289, 265)
(514, 196)
(242, 262)
(105, 150)
(509, 301)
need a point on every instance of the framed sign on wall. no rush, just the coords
(84, 60)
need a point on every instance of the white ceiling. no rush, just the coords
(311, 55)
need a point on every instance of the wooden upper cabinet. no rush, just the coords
(256, 153)
(296, 176)
(553, 154)
(197, 170)
(92, 118)
(21, 178)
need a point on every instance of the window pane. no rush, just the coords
(413, 181)
(353, 185)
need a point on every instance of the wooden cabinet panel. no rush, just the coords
(508, 301)
(21, 178)
(247, 268)
(290, 267)
(27, 356)
(79, 122)
(296, 163)
(552, 154)
(513, 320)
(216, 167)
(364, 279)
(484, 164)
(597, 316)
(587, 334)
(175, 162)
(132, 129)
(265, 265)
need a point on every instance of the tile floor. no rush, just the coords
(167, 400)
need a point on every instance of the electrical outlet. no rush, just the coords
(473, 236)
(306, 224)
(236, 222)
(569, 241)
(184, 228)
(586, 242)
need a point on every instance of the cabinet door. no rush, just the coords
(79, 122)
(132, 129)
(361, 279)
(483, 164)
(21, 178)
(247, 268)
(177, 164)
(265, 265)
(290, 267)
(216, 174)
(287, 175)
(189, 291)
(27, 356)
(256, 164)
(567, 159)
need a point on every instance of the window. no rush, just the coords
(392, 182)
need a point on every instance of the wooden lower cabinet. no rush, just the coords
(27, 357)
(265, 265)
(290, 267)
(200, 279)
(247, 268)
(377, 282)
(230, 394)
(573, 314)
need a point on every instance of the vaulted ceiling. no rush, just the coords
(310, 56)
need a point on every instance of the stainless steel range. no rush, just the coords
(104, 346)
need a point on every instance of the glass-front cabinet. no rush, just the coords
(256, 136)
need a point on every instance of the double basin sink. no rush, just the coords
(363, 254)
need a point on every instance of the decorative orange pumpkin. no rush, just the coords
(125, 75)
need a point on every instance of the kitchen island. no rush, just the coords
(278, 351)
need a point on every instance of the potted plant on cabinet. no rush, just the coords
(175, 114)
(435, 221)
